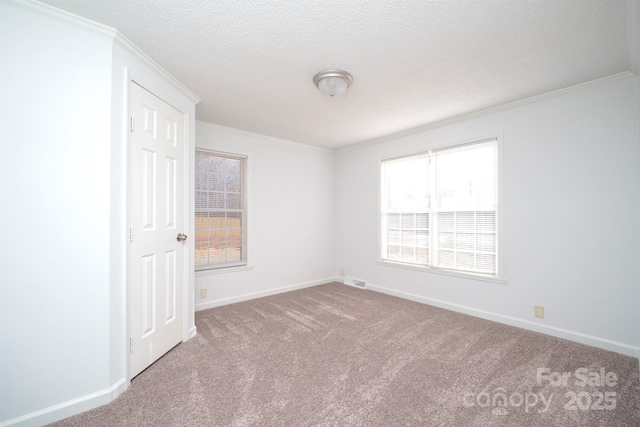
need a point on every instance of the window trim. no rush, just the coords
(234, 266)
(499, 277)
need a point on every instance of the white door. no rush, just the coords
(156, 200)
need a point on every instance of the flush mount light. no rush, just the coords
(333, 82)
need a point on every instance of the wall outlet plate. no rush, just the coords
(539, 311)
(203, 293)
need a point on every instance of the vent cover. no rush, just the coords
(355, 282)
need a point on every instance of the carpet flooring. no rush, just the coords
(334, 355)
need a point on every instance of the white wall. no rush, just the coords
(571, 206)
(291, 222)
(63, 201)
(55, 227)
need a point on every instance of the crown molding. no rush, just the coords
(62, 16)
(126, 44)
(487, 111)
(101, 30)
(261, 136)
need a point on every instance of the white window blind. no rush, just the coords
(440, 209)
(220, 210)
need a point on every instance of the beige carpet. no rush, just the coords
(334, 355)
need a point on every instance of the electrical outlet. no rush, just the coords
(539, 311)
(203, 293)
(342, 271)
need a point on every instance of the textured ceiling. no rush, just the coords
(413, 62)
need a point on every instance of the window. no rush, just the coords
(440, 209)
(220, 209)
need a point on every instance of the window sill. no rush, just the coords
(481, 277)
(223, 270)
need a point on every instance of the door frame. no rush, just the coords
(188, 331)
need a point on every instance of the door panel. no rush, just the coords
(156, 280)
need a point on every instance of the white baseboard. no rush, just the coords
(69, 408)
(246, 297)
(192, 332)
(578, 337)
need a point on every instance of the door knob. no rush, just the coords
(181, 237)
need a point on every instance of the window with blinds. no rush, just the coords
(440, 209)
(220, 210)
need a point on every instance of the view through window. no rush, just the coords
(440, 209)
(220, 210)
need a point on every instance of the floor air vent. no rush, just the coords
(355, 282)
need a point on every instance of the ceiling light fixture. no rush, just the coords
(333, 82)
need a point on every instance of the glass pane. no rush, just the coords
(234, 201)
(201, 179)
(217, 256)
(405, 183)
(216, 200)
(446, 240)
(234, 220)
(234, 254)
(465, 260)
(407, 253)
(393, 220)
(467, 177)
(422, 255)
(235, 238)
(215, 182)
(231, 167)
(408, 220)
(393, 252)
(486, 242)
(218, 239)
(465, 222)
(446, 221)
(486, 222)
(446, 258)
(465, 241)
(201, 200)
(201, 247)
(218, 220)
(408, 238)
(486, 263)
(422, 238)
(202, 220)
(234, 184)
(218, 245)
(422, 220)
(216, 163)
